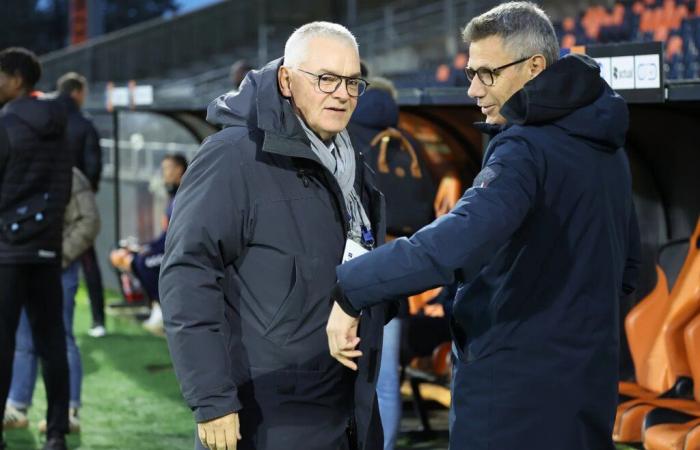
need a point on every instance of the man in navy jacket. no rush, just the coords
(542, 245)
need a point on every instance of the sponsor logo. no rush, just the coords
(622, 73)
(647, 71)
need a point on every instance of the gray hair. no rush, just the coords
(296, 48)
(524, 27)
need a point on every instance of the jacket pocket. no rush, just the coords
(26, 220)
(330, 389)
(291, 309)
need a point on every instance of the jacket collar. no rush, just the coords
(290, 146)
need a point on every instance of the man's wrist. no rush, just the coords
(342, 300)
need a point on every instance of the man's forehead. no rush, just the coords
(332, 55)
(487, 52)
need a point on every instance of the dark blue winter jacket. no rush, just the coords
(542, 245)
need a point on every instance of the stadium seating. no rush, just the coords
(676, 429)
(674, 22)
(655, 331)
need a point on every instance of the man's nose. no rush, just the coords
(341, 92)
(476, 88)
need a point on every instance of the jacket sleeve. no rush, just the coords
(203, 238)
(81, 234)
(93, 157)
(630, 276)
(456, 245)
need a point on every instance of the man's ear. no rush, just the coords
(536, 65)
(284, 81)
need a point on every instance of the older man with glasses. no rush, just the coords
(266, 210)
(542, 246)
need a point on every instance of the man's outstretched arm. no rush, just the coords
(456, 245)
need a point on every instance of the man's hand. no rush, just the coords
(121, 259)
(342, 336)
(222, 433)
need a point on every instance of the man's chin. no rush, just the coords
(335, 129)
(495, 120)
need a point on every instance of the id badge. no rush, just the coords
(352, 250)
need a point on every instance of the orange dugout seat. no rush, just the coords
(677, 425)
(655, 330)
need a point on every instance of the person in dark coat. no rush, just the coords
(81, 134)
(80, 226)
(263, 216)
(35, 186)
(543, 245)
(376, 111)
(83, 141)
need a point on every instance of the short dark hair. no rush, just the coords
(179, 160)
(71, 82)
(18, 61)
(524, 27)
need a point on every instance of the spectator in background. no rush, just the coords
(144, 262)
(84, 142)
(410, 200)
(81, 225)
(376, 111)
(239, 70)
(35, 184)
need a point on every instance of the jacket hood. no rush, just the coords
(376, 108)
(47, 118)
(572, 95)
(257, 104)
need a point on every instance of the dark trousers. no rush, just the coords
(37, 287)
(93, 280)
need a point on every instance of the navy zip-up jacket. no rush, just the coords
(542, 245)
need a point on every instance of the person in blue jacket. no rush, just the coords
(543, 245)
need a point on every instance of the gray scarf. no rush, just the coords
(343, 168)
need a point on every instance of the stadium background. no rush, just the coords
(179, 54)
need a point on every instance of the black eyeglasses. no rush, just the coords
(488, 76)
(330, 82)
